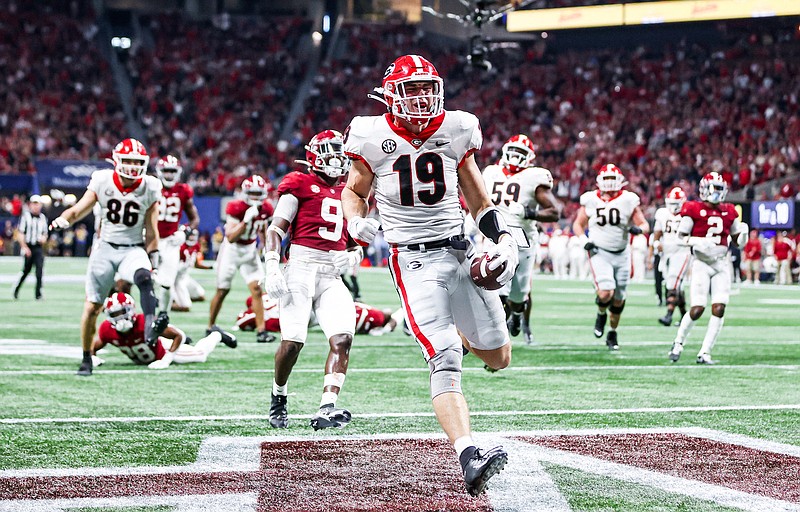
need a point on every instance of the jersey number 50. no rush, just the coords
(428, 168)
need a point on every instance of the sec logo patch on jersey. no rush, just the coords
(389, 146)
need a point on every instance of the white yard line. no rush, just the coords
(542, 412)
(189, 503)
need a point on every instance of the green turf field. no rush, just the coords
(126, 415)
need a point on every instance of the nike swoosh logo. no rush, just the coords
(440, 143)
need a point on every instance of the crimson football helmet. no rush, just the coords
(325, 154)
(130, 159)
(517, 153)
(610, 179)
(254, 189)
(413, 89)
(713, 188)
(169, 169)
(120, 310)
(675, 199)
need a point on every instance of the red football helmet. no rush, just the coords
(413, 89)
(675, 200)
(120, 310)
(130, 159)
(517, 153)
(610, 179)
(254, 189)
(169, 169)
(325, 154)
(713, 188)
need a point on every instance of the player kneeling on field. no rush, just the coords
(124, 328)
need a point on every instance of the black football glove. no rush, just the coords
(635, 230)
(591, 248)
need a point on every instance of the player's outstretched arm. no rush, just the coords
(191, 213)
(76, 212)
(549, 209)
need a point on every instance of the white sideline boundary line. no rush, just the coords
(512, 369)
(523, 486)
(543, 412)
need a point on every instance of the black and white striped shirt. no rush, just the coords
(33, 228)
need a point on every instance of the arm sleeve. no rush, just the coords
(287, 207)
(686, 225)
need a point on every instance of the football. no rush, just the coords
(482, 276)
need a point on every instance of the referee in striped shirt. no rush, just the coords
(31, 235)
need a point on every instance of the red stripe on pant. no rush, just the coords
(426, 343)
(680, 273)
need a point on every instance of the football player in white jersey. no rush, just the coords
(128, 206)
(612, 215)
(675, 254)
(415, 158)
(523, 194)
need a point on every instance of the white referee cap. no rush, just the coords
(35, 198)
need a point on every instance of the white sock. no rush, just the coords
(714, 327)
(462, 443)
(279, 390)
(328, 397)
(685, 328)
(165, 299)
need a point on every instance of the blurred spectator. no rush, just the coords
(782, 248)
(751, 258)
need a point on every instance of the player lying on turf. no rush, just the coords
(369, 320)
(124, 328)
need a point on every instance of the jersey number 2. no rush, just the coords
(428, 168)
(714, 229)
(331, 212)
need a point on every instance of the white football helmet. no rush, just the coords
(120, 310)
(325, 154)
(254, 189)
(610, 179)
(675, 200)
(713, 188)
(517, 153)
(169, 170)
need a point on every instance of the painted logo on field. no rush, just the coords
(261, 473)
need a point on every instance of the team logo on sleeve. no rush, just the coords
(315, 189)
(388, 146)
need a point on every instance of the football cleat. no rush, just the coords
(514, 323)
(675, 352)
(483, 466)
(666, 320)
(611, 341)
(227, 338)
(526, 333)
(157, 327)
(705, 359)
(490, 369)
(600, 325)
(329, 416)
(265, 337)
(86, 368)
(278, 416)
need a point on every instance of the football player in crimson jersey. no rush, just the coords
(310, 204)
(124, 329)
(187, 290)
(128, 202)
(706, 226)
(523, 193)
(246, 220)
(416, 157)
(369, 320)
(176, 198)
(612, 215)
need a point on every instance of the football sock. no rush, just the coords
(279, 390)
(328, 398)
(331, 380)
(685, 328)
(165, 298)
(462, 443)
(714, 327)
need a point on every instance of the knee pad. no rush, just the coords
(617, 309)
(142, 277)
(601, 303)
(445, 372)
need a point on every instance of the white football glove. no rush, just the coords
(744, 234)
(345, 260)
(505, 251)
(516, 210)
(180, 236)
(274, 282)
(363, 230)
(251, 214)
(97, 361)
(59, 223)
(162, 363)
